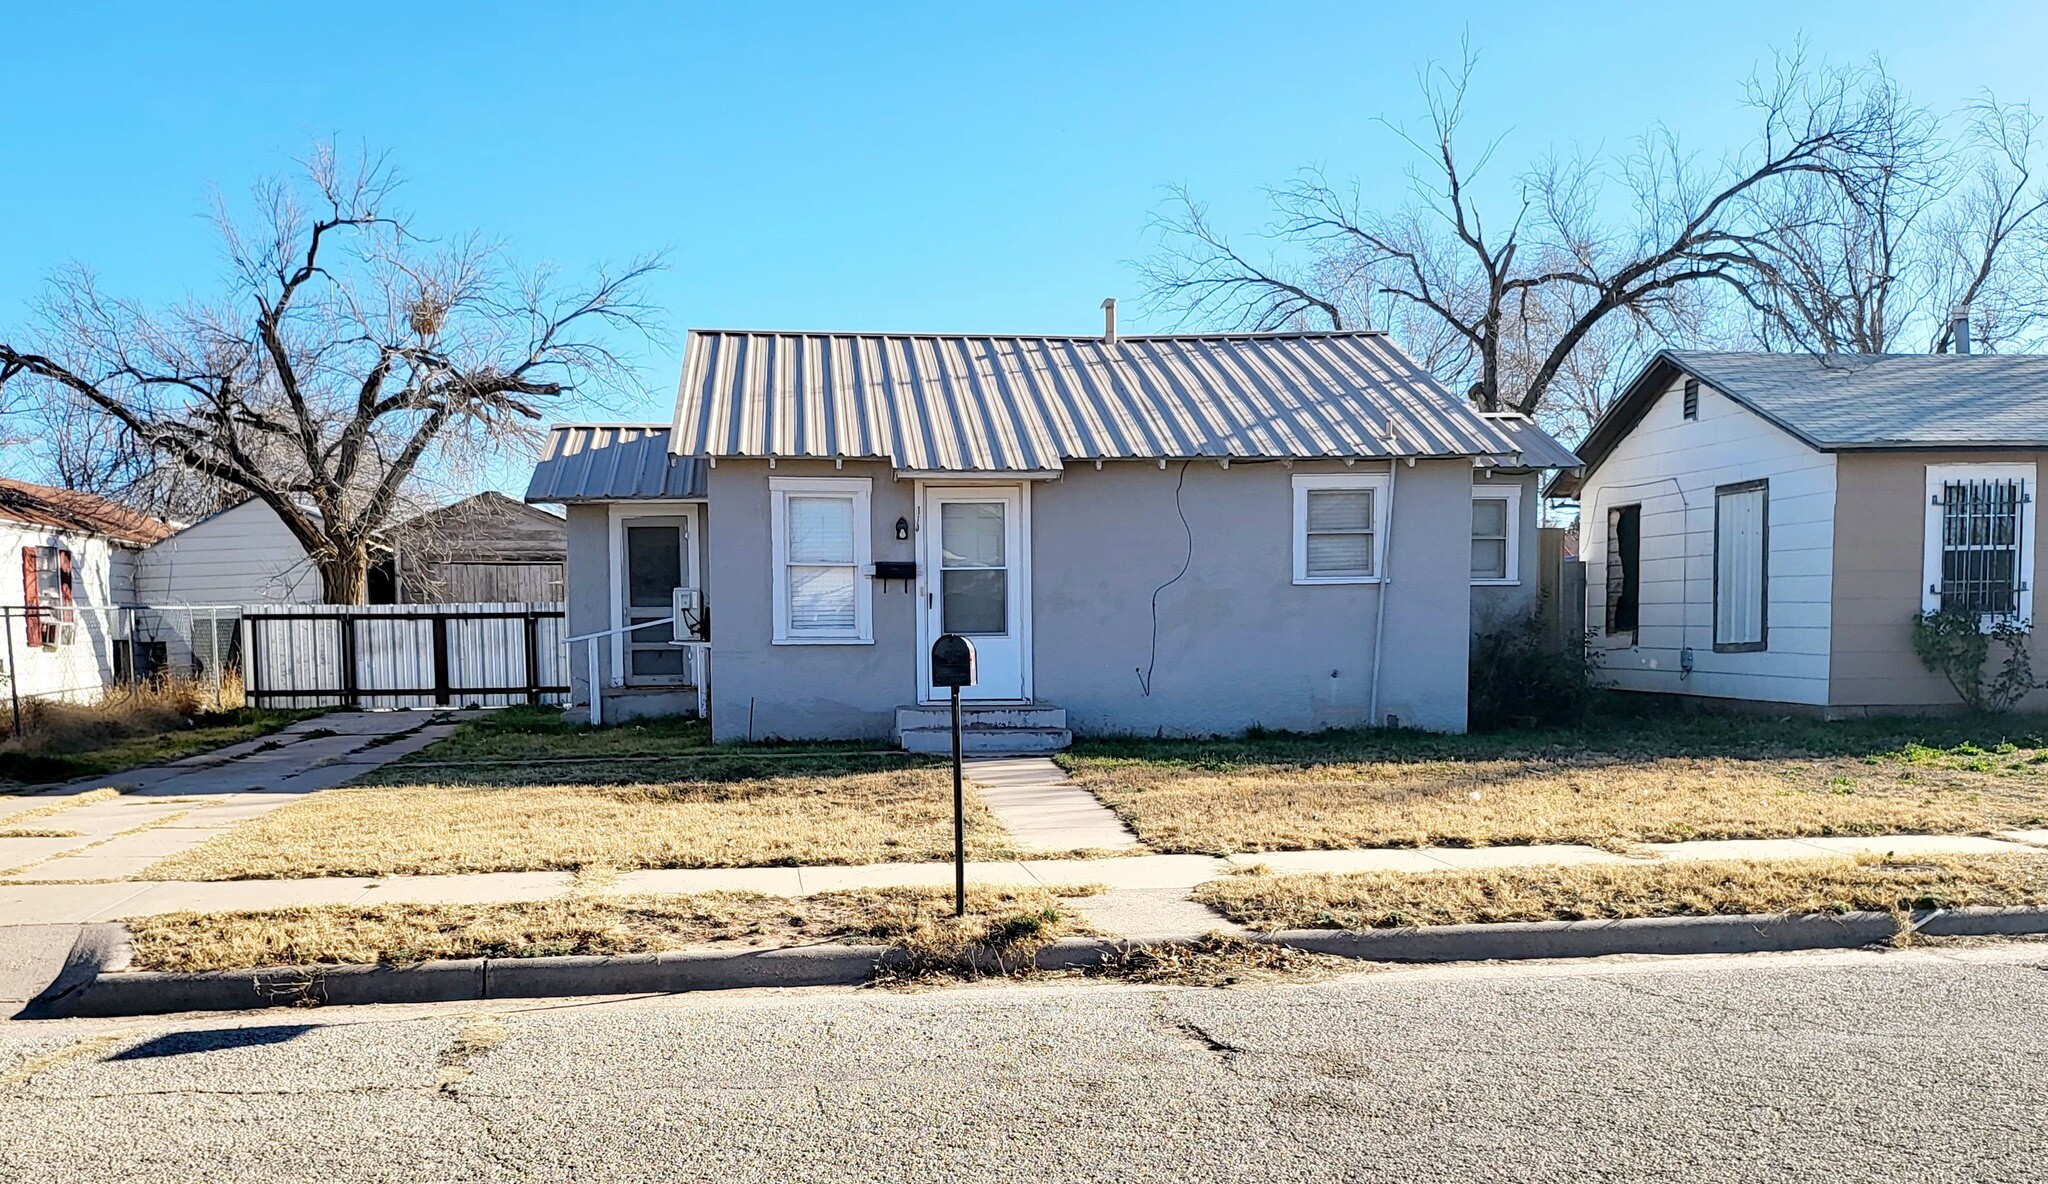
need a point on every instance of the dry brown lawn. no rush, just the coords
(1377, 900)
(1561, 794)
(810, 817)
(918, 919)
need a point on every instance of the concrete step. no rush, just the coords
(1012, 715)
(983, 741)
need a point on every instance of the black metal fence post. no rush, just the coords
(441, 683)
(532, 660)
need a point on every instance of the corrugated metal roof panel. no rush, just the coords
(612, 462)
(1015, 404)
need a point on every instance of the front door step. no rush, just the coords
(1002, 728)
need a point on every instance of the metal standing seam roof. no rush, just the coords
(612, 462)
(980, 403)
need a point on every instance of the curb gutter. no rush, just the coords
(151, 992)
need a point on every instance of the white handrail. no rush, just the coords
(597, 687)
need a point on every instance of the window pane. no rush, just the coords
(821, 599)
(976, 600)
(1339, 509)
(1340, 554)
(661, 663)
(654, 565)
(820, 529)
(1489, 559)
(971, 534)
(1490, 518)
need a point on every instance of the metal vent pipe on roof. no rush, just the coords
(1109, 321)
(1959, 329)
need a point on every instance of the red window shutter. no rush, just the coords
(31, 590)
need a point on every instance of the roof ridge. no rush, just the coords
(1220, 335)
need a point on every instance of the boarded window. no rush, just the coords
(1742, 528)
(1624, 568)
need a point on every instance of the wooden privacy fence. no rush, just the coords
(405, 655)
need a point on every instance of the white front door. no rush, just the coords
(975, 561)
(657, 562)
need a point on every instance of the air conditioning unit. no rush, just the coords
(689, 618)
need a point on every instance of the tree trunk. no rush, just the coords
(345, 577)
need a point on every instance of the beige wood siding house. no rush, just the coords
(1765, 528)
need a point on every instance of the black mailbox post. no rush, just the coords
(953, 667)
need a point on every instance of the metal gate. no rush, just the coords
(405, 655)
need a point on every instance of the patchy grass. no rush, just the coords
(546, 734)
(1380, 900)
(917, 919)
(1219, 960)
(728, 813)
(57, 805)
(94, 742)
(1610, 784)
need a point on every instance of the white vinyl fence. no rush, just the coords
(405, 655)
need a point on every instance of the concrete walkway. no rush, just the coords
(1043, 809)
(161, 811)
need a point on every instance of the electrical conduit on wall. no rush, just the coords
(1379, 612)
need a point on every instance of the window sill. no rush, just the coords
(823, 641)
(1310, 580)
(1746, 647)
(1490, 583)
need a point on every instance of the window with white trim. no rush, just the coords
(1496, 537)
(1742, 540)
(1979, 541)
(821, 541)
(1339, 527)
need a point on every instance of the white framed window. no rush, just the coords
(1340, 527)
(821, 541)
(1978, 542)
(1496, 534)
(1742, 567)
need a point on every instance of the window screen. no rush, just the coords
(820, 560)
(1490, 524)
(1339, 532)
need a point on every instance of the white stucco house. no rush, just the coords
(1185, 534)
(76, 555)
(1764, 528)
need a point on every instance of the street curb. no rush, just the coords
(154, 992)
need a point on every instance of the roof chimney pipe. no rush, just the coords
(1109, 321)
(1959, 329)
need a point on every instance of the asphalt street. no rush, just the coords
(1922, 1065)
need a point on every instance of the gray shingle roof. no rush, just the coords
(612, 462)
(1846, 402)
(1887, 400)
(973, 403)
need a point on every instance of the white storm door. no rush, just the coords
(657, 562)
(976, 566)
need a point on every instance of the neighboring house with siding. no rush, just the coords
(1185, 534)
(76, 555)
(1766, 527)
(486, 547)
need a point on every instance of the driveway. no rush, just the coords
(98, 845)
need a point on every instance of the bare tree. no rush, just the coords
(1513, 305)
(1948, 222)
(346, 352)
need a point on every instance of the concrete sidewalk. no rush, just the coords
(25, 903)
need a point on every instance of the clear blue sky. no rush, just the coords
(852, 166)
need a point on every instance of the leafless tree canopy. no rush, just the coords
(344, 353)
(1543, 294)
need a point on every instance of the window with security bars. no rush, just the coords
(1982, 538)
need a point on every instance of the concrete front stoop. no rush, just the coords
(985, 729)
